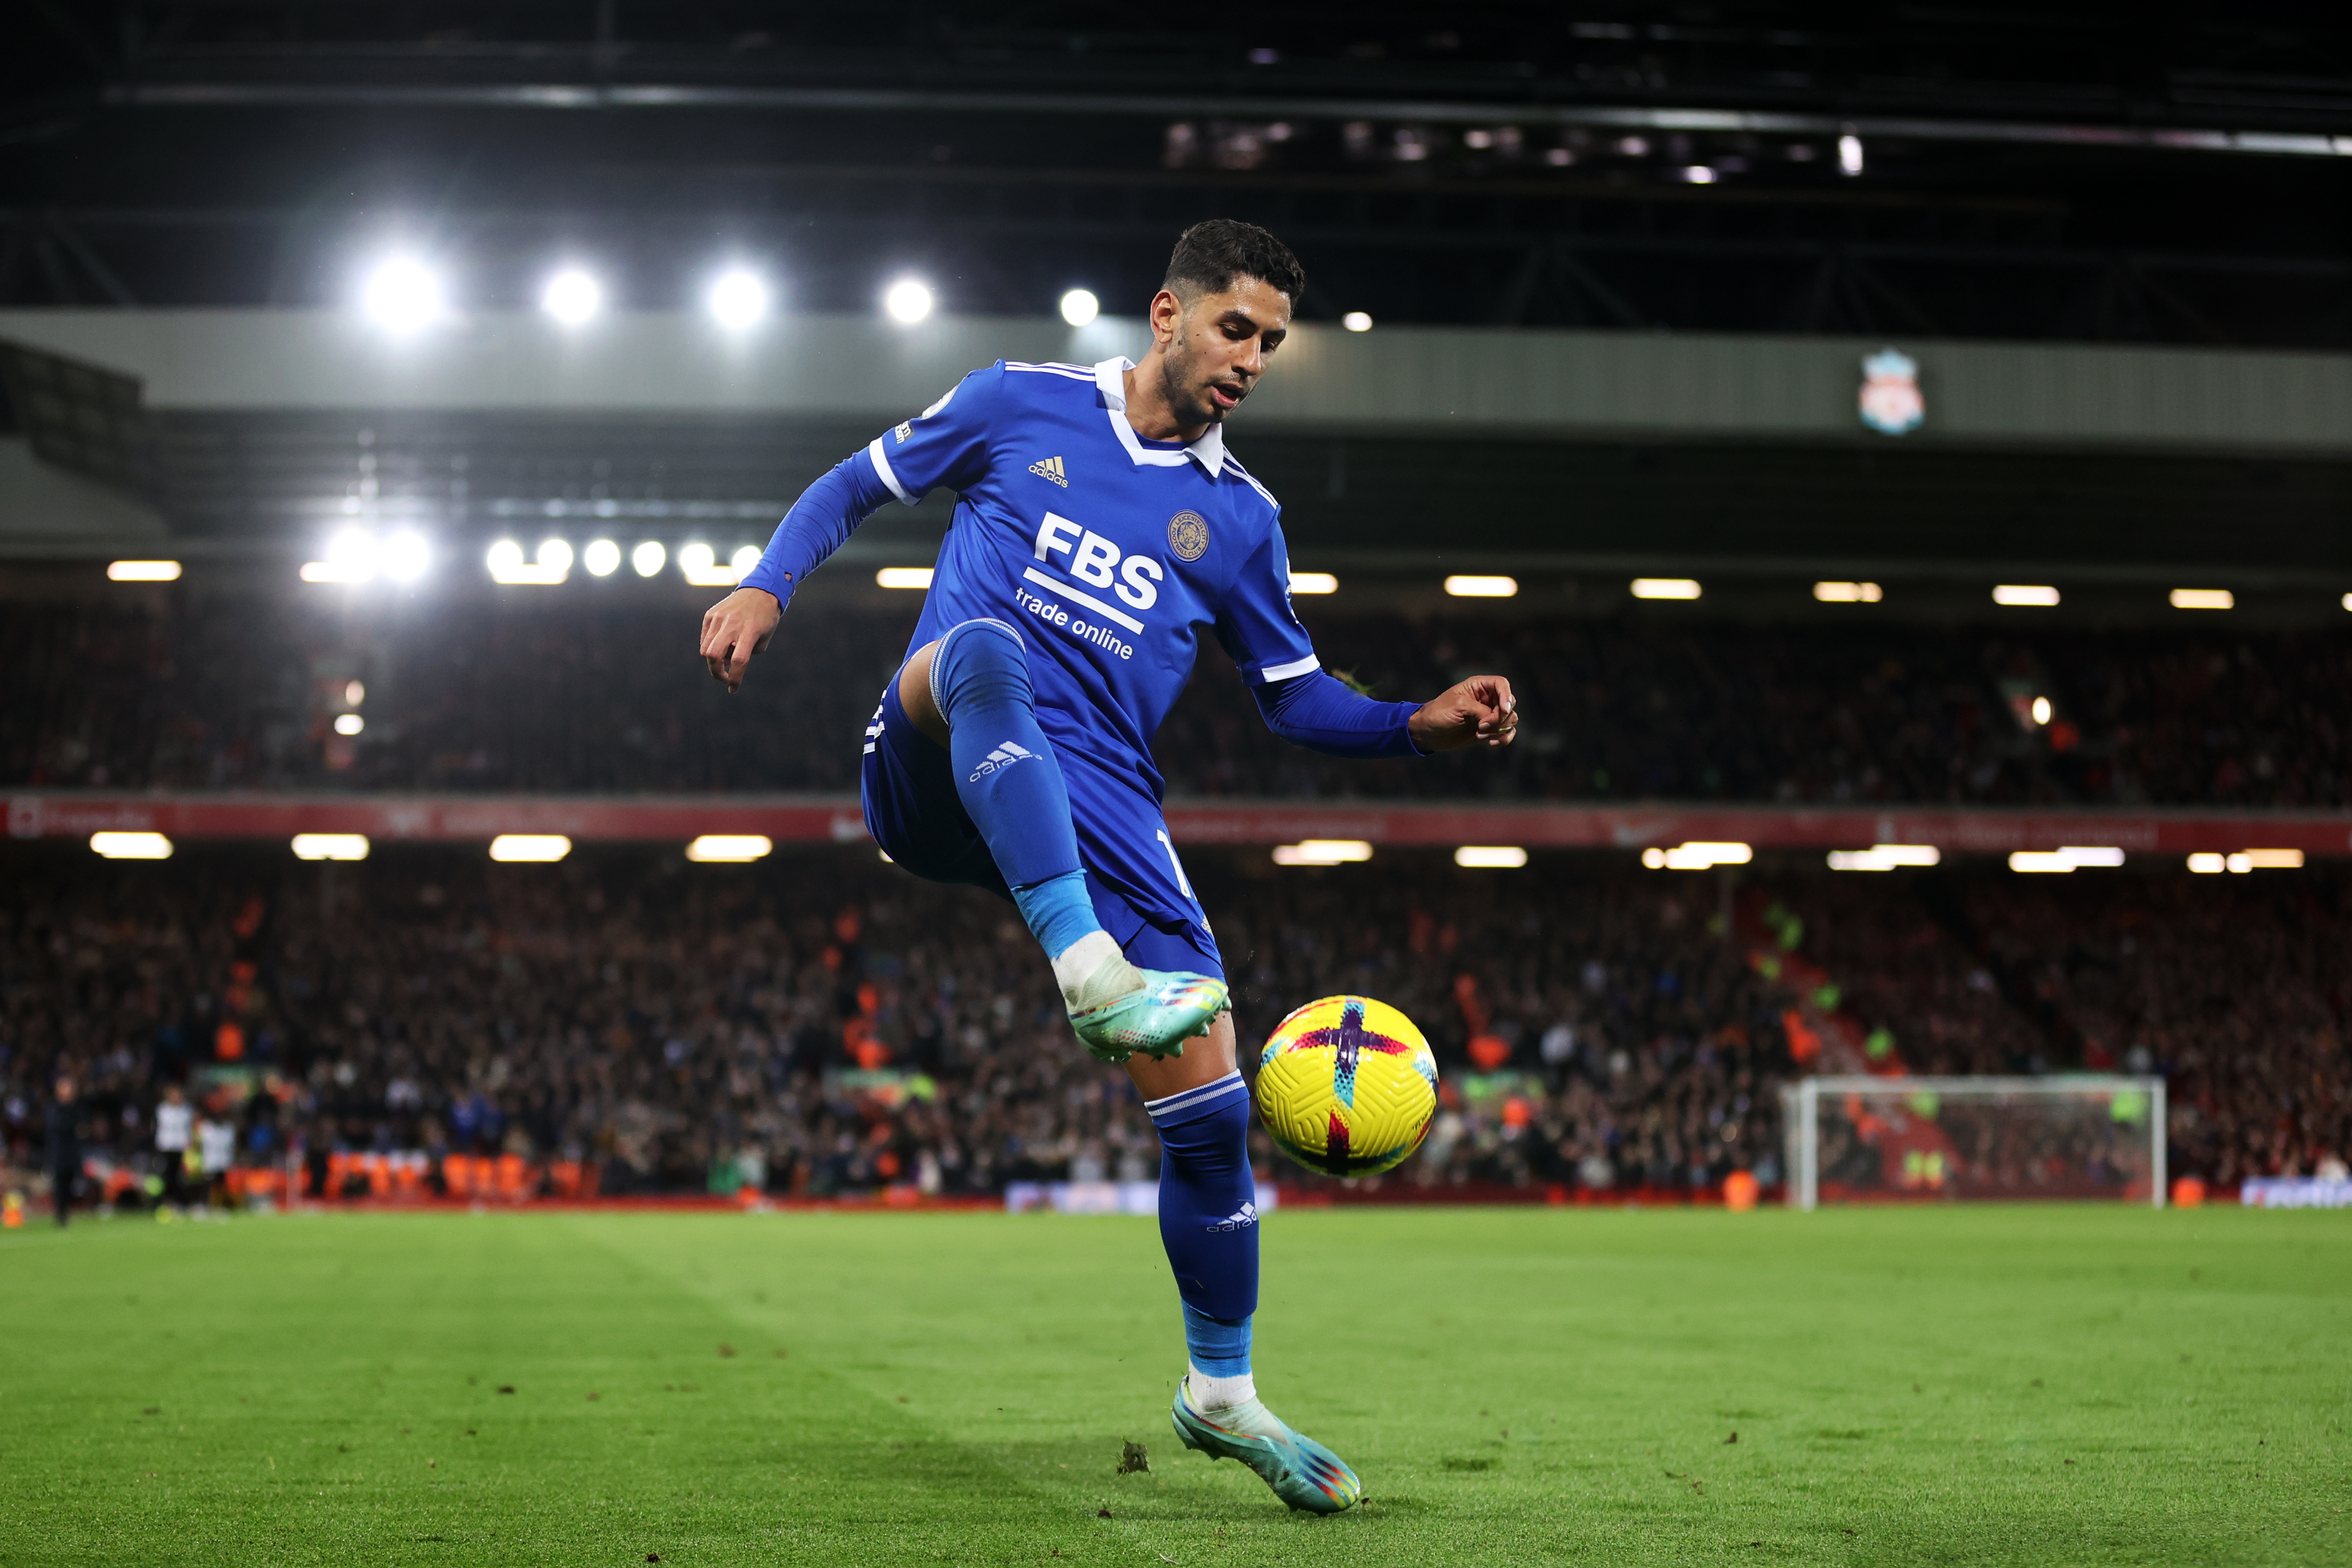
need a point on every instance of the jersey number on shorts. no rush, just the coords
(1173, 863)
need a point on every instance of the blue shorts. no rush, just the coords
(1137, 885)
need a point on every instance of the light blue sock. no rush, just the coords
(1218, 1347)
(1058, 911)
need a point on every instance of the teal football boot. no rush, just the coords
(1157, 1020)
(1302, 1472)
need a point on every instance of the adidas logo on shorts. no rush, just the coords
(1004, 755)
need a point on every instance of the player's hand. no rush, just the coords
(1481, 711)
(734, 629)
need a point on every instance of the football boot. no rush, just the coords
(1156, 1020)
(1302, 1472)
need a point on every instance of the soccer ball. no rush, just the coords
(1347, 1086)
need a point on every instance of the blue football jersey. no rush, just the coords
(1111, 553)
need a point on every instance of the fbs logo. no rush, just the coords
(1004, 755)
(1241, 1218)
(1051, 468)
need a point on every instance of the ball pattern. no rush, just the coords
(1347, 1086)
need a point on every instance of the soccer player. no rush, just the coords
(1102, 528)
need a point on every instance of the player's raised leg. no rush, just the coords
(970, 691)
(1208, 1222)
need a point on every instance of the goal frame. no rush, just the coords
(1800, 1114)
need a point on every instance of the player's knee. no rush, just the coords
(979, 663)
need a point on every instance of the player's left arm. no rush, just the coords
(1304, 703)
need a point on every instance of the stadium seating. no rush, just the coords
(430, 1024)
(223, 692)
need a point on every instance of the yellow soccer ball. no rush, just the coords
(1347, 1086)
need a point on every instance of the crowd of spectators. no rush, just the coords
(218, 691)
(819, 1024)
(836, 1026)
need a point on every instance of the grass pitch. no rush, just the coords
(1973, 1385)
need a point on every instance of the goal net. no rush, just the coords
(1864, 1140)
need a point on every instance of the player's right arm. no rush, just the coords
(947, 444)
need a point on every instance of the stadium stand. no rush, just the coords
(226, 691)
(818, 1025)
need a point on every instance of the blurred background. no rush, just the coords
(1901, 455)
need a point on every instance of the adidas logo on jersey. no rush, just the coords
(1241, 1218)
(1004, 755)
(1051, 468)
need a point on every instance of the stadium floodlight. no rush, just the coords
(354, 693)
(406, 555)
(1848, 592)
(2067, 858)
(601, 558)
(538, 847)
(1357, 321)
(745, 558)
(508, 566)
(648, 558)
(2269, 859)
(2027, 595)
(2203, 598)
(699, 565)
(2348, 601)
(1884, 857)
(400, 294)
(1482, 587)
(2041, 710)
(730, 849)
(120, 846)
(330, 846)
(1079, 307)
(1323, 851)
(349, 724)
(903, 577)
(737, 299)
(909, 301)
(2094, 1135)
(143, 570)
(1698, 174)
(352, 557)
(1665, 588)
(1490, 857)
(2209, 865)
(573, 297)
(1313, 582)
(1849, 154)
(1697, 855)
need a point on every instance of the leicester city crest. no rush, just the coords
(1188, 536)
(1890, 401)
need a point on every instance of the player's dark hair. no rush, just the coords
(1209, 255)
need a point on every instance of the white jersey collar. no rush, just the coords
(1208, 452)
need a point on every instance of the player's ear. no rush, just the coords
(1166, 315)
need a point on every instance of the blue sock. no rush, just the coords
(1208, 1218)
(1008, 779)
(1058, 911)
(1217, 1347)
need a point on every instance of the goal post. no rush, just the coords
(1864, 1139)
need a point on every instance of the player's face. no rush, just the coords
(1216, 346)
